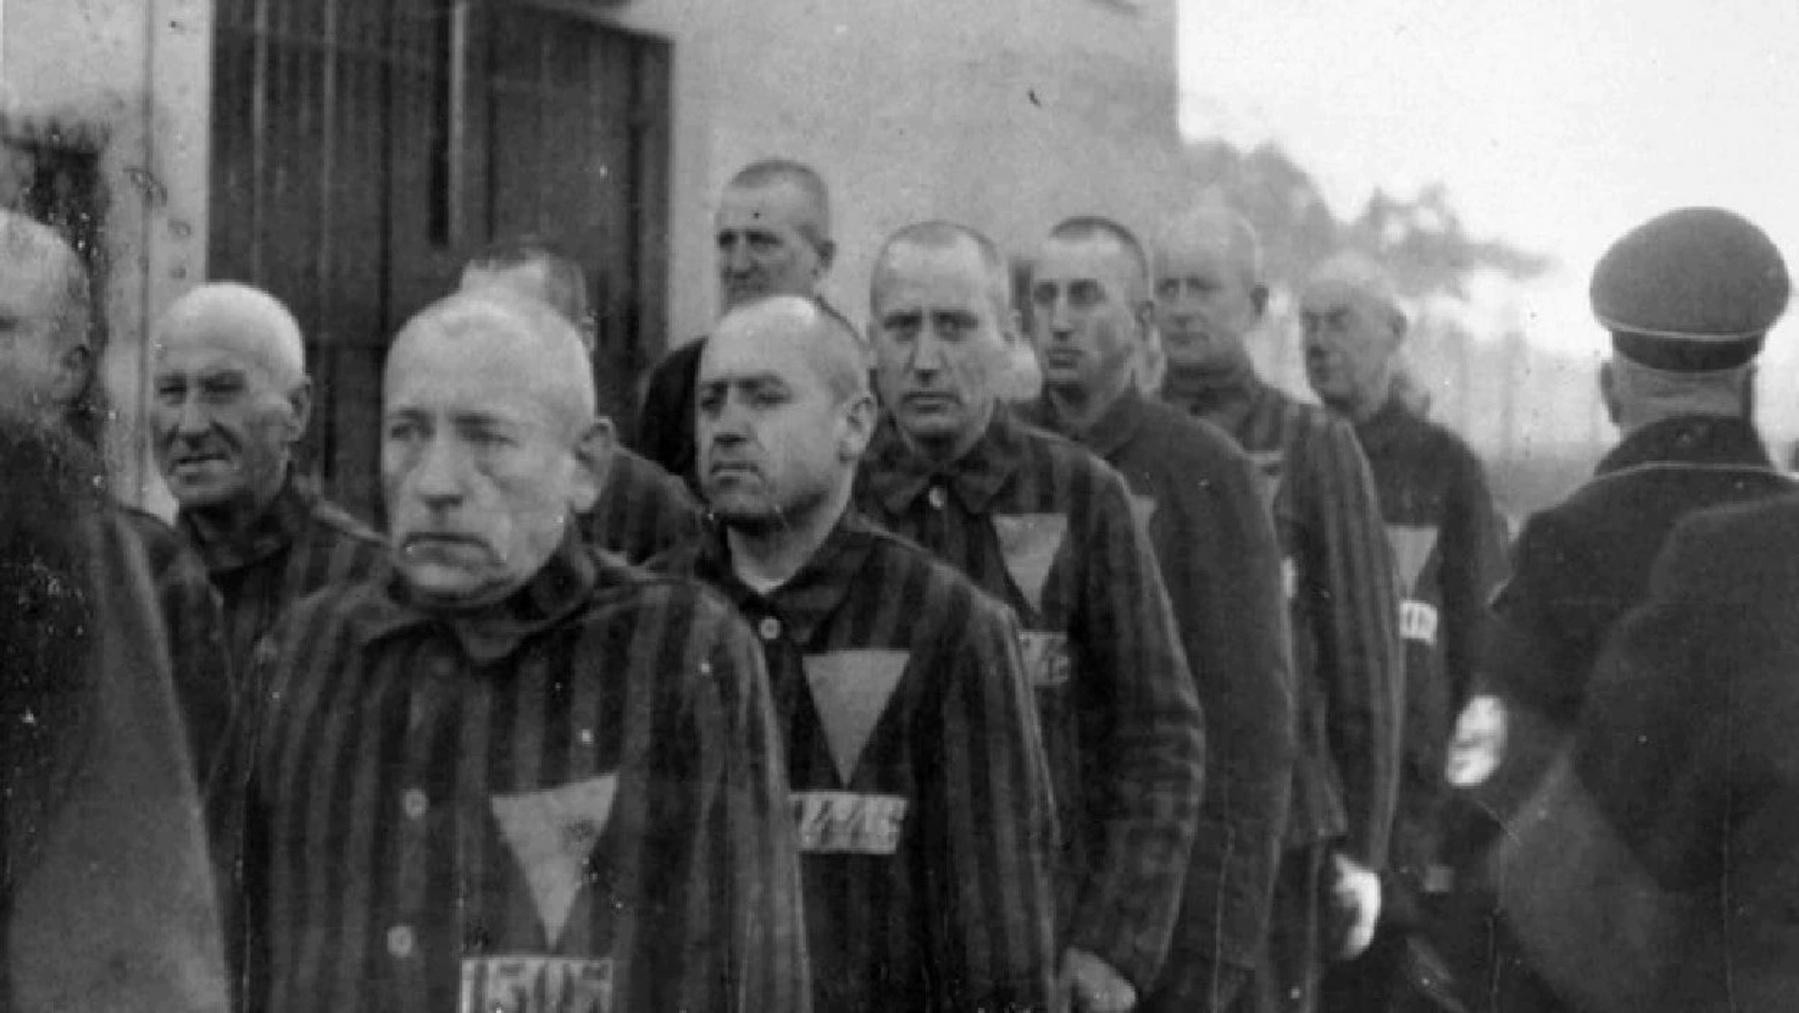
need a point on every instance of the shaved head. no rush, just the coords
(28, 243)
(1216, 231)
(812, 213)
(247, 320)
(1353, 272)
(1093, 228)
(942, 236)
(829, 342)
(519, 342)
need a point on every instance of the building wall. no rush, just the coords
(1006, 115)
(140, 71)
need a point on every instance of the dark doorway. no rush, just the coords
(363, 149)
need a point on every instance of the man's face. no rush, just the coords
(939, 348)
(477, 467)
(1083, 321)
(774, 438)
(1205, 303)
(1350, 345)
(34, 378)
(761, 250)
(220, 423)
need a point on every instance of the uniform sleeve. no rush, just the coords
(1240, 650)
(1145, 774)
(991, 788)
(1350, 578)
(1539, 651)
(743, 867)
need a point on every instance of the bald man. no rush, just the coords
(920, 788)
(1050, 530)
(1448, 541)
(641, 510)
(773, 232)
(230, 400)
(47, 376)
(1092, 323)
(511, 773)
(1210, 297)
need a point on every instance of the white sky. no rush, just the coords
(1557, 124)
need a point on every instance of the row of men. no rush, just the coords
(991, 771)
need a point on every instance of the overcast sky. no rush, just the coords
(1555, 124)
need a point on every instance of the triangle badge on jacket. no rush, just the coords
(850, 690)
(1029, 543)
(1412, 546)
(552, 834)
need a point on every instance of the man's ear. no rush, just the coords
(593, 461)
(1258, 300)
(859, 418)
(1608, 394)
(299, 403)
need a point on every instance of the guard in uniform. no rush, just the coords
(1341, 587)
(1197, 495)
(1449, 544)
(1688, 298)
(1048, 529)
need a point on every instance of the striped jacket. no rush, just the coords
(1216, 546)
(642, 510)
(1345, 608)
(299, 544)
(920, 787)
(1449, 543)
(572, 800)
(1047, 528)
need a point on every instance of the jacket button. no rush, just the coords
(769, 628)
(937, 497)
(400, 941)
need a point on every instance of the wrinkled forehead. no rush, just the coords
(211, 343)
(1091, 258)
(777, 204)
(917, 276)
(1203, 254)
(480, 364)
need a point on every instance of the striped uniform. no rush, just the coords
(205, 683)
(1216, 546)
(1346, 648)
(920, 785)
(642, 510)
(1450, 546)
(1047, 528)
(572, 800)
(299, 544)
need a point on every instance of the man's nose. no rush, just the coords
(1061, 318)
(736, 256)
(927, 354)
(438, 475)
(192, 419)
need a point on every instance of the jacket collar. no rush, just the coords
(1689, 439)
(897, 475)
(1116, 426)
(812, 594)
(1224, 399)
(273, 530)
(491, 632)
(1387, 424)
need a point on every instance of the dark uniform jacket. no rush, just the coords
(1345, 610)
(1216, 547)
(1579, 566)
(205, 684)
(642, 510)
(665, 423)
(1047, 528)
(1664, 874)
(572, 799)
(1449, 545)
(299, 544)
(920, 788)
(107, 901)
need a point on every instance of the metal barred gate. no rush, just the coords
(363, 149)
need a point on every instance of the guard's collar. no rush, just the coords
(491, 632)
(1689, 439)
(897, 475)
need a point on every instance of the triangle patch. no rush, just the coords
(552, 833)
(1143, 508)
(1271, 468)
(850, 690)
(1412, 546)
(1029, 543)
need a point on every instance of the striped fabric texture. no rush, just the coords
(572, 800)
(642, 510)
(1047, 528)
(921, 791)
